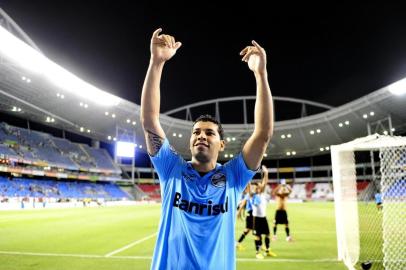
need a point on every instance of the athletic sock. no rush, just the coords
(242, 237)
(258, 244)
(267, 242)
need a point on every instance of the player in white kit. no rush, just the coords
(261, 227)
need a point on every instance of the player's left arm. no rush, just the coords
(257, 143)
(289, 189)
(163, 48)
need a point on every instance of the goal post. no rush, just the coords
(384, 246)
(345, 202)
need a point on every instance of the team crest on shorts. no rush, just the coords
(218, 180)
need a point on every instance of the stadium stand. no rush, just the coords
(153, 191)
(361, 185)
(397, 190)
(58, 169)
(322, 191)
(23, 187)
(309, 189)
(298, 192)
(101, 158)
(36, 147)
(7, 151)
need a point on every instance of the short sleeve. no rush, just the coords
(240, 172)
(165, 160)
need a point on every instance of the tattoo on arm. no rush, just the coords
(155, 142)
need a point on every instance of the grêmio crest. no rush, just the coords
(218, 180)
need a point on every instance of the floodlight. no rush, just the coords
(25, 56)
(125, 149)
(398, 88)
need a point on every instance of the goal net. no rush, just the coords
(371, 213)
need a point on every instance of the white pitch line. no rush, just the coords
(93, 256)
(50, 254)
(313, 232)
(288, 260)
(130, 245)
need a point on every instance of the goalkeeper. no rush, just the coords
(281, 193)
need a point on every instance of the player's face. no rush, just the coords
(257, 189)
(205, 142)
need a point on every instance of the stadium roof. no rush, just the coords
(58, 98)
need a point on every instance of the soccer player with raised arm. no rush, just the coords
(281, 194)
(261, 226)
(245, 205)
(200, 197)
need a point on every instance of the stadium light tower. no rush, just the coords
(20, 53)
(125, 149)
(398, 88)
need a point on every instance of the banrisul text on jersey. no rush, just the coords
(208, 209)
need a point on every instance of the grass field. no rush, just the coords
(121, 238)
(370, 235)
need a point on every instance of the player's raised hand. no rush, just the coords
(264, 169)
(163, 47)
(255, 56)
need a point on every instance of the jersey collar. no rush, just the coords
(190, 169)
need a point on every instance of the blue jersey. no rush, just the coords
(256, 199)
(378, 198)
(196, 229)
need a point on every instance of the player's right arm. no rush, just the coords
(162, 47)
(265, 178)
(275, 190)
(241, 209)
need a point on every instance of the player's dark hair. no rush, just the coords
(209, 118)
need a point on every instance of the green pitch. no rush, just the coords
(371, 241)
(121, 238)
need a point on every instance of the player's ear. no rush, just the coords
(222, 145)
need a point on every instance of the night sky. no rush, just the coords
(330, 54)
